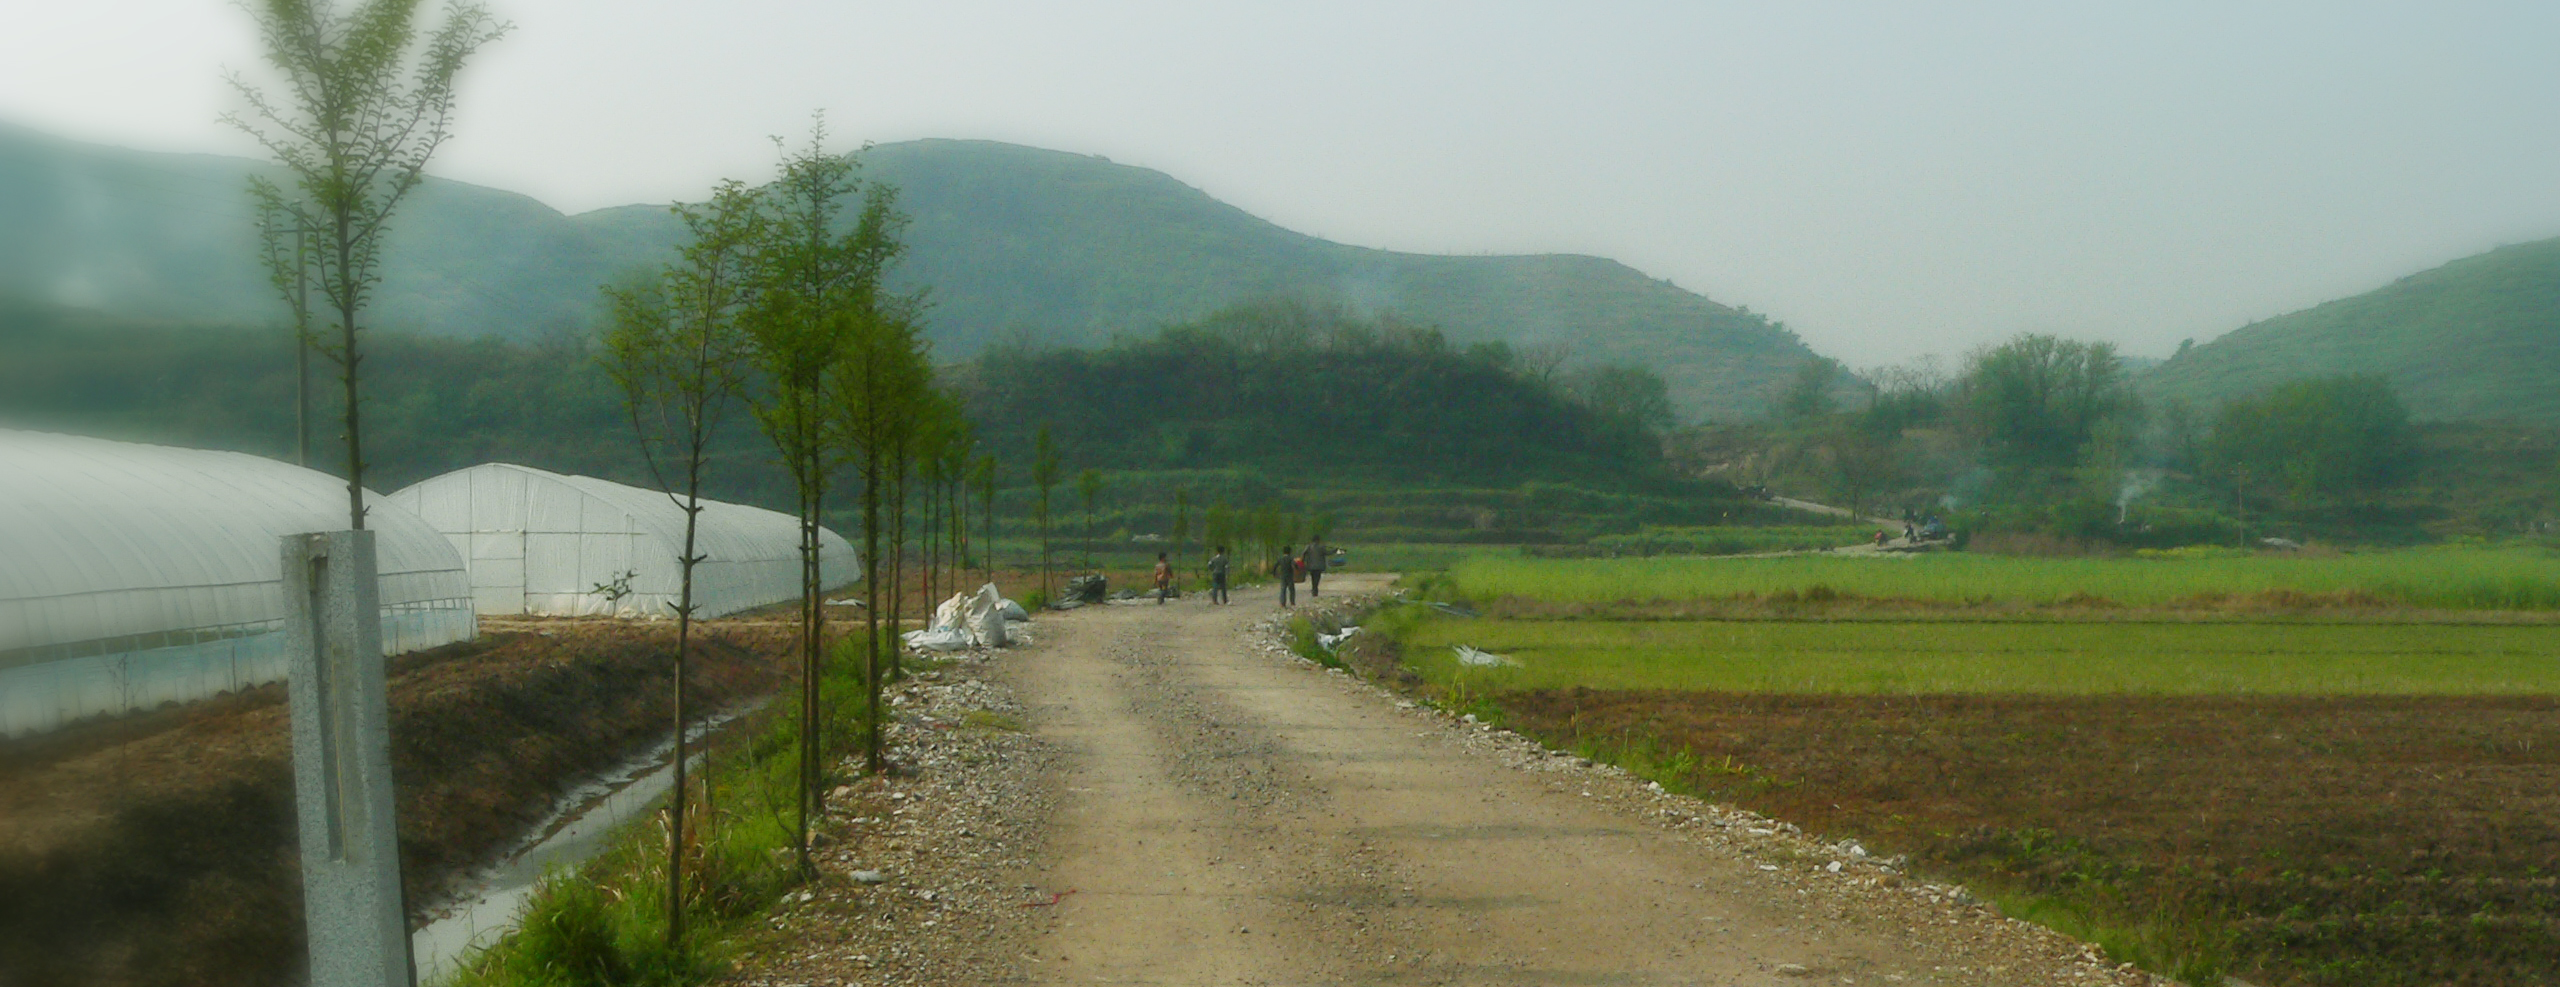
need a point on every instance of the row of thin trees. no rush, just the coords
(776, 306)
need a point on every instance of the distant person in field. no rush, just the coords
(1164, 578)
(1285, 569)
(1218, 576)
(1314, 561)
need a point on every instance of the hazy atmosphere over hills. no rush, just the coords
(644, 493)
(1018, 245)
(2478, 338)
(1024, 246)
(1891, 180)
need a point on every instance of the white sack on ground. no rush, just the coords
(986, 620)
(950, 613)
(939, 639)
(966, 620)
(1482, 659)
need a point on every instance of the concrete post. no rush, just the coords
(359, 934)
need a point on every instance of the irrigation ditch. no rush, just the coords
(158, 849)
(484, 906)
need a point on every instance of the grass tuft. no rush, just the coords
(1303, 643)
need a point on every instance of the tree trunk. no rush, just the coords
(871, 760)
(684, 641)
(928, 545)
(302, 341)
(808, 463)
(899, 468)
(349, 360)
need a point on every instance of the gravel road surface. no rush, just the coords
(1186, 804)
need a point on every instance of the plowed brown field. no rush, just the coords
(2364, 840)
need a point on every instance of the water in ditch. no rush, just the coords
(580, 826)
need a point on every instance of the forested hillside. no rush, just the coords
(1316, 396)
(1016, 243)
(2476, 339)
(431, 404)
(1276, 401)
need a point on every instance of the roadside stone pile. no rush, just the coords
(922, 873)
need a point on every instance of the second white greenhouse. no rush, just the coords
(552, 544)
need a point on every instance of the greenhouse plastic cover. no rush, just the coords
(135, 575)
(539, 542)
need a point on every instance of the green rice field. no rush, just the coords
(2025, 657)
(1724, 540)
(2461, 578)
(2333, 773)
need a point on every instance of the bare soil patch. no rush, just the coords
(2351, 840)
(159, 849)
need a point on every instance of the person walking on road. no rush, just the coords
(1164, 578)
(1218, 576)
(1285, 569)
(1314, 561)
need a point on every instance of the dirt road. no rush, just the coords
(1226, 815)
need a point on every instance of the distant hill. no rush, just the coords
(171, 237)
(2476, 339)
(1055, 248)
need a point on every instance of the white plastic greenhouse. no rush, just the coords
(136, 575)
(545, 543)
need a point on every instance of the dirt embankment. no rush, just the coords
(159, 849)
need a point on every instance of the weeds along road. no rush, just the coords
(1226, 815)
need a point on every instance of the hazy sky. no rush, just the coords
(1888, 178)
